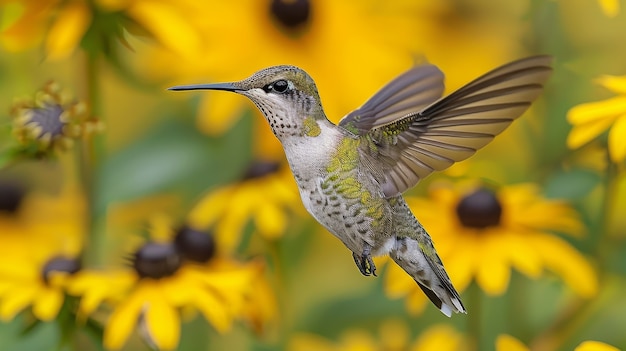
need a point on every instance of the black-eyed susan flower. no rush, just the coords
(52, 120)
(166, 278)
(393, 336)
(62, 26)
(41, 239)
(265, 195)
(506, 342)
(481, 235)
(36, 282)
(591, 119)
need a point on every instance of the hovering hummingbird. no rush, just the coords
(351, 176)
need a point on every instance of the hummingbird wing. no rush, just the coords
(452, 128)
(411, 91)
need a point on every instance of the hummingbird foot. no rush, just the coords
(364, 262)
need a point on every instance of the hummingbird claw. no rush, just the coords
(365, 263)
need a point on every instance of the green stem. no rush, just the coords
(90, 153)
(603, 243)
(474, 317)
(518, 306)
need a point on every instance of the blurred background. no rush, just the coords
(135, 218)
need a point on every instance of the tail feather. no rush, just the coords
(429, 274)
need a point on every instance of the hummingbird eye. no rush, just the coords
(279, 86)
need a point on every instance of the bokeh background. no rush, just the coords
(135, 218)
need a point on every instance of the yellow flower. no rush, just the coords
(63, 25)
(481, 235)
(266, 195)
(393, 336)
(38, 282)
(50, 121)
(167, 277)
(593, 118)
(41, 237)
(508, 343)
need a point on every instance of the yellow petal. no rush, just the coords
(162, 323)
(521, 255)
(617, 140)
(493, 272)
(616, 84)
(270, 220)
(462, 263)
(508, 343)
(168, 25)
(595, 346)
(16, 300)
(47, 304)
(591, 111)
(584, 133)
(551, 215)
(569, 264)
(209, 209)
(89, 302)
(26, 24)
(213, 310)
(67, 30)
(609, 7)
(283, 188)
(123, 321)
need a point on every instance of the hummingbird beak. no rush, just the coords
(217, 86)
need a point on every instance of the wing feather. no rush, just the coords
(412, 91)
(413, 145)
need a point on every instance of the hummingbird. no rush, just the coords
(351, 175)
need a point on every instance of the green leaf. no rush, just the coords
(42, 336)
(571, 184)
(173, 156)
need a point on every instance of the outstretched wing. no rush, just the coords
(410, 92)
(454, 127)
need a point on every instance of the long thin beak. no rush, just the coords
(217, 86)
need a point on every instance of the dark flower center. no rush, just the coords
(259, 169)
(194, 245)
(291, 14)
(60, 264)
(48, 119)
(11, 196)
(156, 260)
(480, 209)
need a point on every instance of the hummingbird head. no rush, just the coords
(286, 95)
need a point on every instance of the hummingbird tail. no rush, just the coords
(426, 269)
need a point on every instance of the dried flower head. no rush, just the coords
(52, 120)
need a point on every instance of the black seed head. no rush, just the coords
(156, 260)
(291, 14)
(11, 195)
(480, 209)
(194, 245)
(60, 264)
